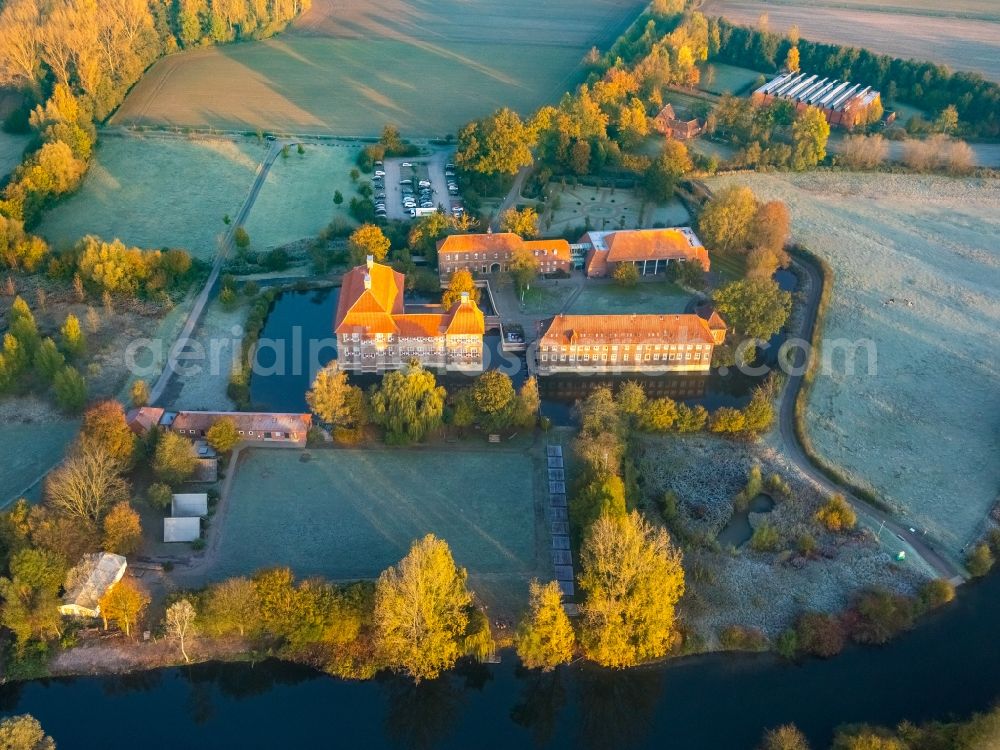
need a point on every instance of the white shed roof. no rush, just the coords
(181, 529)
(189, 504)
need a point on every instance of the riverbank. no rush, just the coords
(945, 668)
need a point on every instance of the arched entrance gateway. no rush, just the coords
(495, 268)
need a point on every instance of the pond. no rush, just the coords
(945, 668)
(738, 530)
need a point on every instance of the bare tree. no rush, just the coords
(86, 485)
(180, 624)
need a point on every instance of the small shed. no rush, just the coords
(91, 579)
(181, 529)
(189, 504)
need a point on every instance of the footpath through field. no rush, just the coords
(225, 246)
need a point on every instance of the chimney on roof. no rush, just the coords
(465, 297)
(368, 280)
(370, 261)
(489, 230)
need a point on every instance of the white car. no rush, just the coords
(406, 164)
(424, 183)
(380, 173)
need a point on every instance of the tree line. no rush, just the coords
(923, 84)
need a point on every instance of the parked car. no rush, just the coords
(380, 173)
(406, 181)
(450, 166)
(406, 164)
(424, 183)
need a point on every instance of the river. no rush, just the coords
(946, 668)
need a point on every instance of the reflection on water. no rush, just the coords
(945, 668)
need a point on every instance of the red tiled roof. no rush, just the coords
(650, 244)
(466, 320)
(710, 314)
(143, 419)
(502, 242)
(370, 309)
(626, 329)
(253, 421)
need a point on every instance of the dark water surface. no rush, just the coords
(948, 667)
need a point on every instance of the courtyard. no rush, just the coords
(349, 514)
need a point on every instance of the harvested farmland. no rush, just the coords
(351, 69)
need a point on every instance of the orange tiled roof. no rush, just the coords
(626, 329)
(466, 320)
(412, 325)
(369, 309)
(505, 242)
(650, 244)
(253, 421)
(711, 315)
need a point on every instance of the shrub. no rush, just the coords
(787, 644)
(936, 593)
(980, 560)
(819, 634)
(742, 638)
(766, 538)
(159, 495)
(878, 615)
(241, 238)
(837, 515)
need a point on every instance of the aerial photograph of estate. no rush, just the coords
(500, 374)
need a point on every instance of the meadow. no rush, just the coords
(156, 192)
(296, 200)
(349, 514)
(647, 298)
(719, 78)
(351, 69)
(964, 34)
(30, 449)
(917, 270)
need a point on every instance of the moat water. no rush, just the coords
(300, 326)
(946, 668)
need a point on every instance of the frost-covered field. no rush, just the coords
(924, 429)
(11, 150)
(765, 590)
(158, 192)
(296, 200)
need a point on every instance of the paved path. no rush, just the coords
(918, 544)
(225, 246)
(512, 197)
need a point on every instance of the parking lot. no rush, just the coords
(403, 178)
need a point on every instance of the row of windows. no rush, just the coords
(628, 347)
(625, 358)
(494, 256)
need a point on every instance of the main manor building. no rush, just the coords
(376, 332)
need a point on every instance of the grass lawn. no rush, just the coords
(546, 300)
(156, 192)
(729, 267)
(29, 450)
(921, 425)
(349, 514)
(648, 297)
(296, 200)
(719, 78)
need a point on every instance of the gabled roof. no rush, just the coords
(465, 319)
(143, 419)
(369, 297)
(244, 420)
(89, 581)
(651, 244)
(626, 329)
(502, 242)
(711, 316)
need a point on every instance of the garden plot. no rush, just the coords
(296, 201)
(571, 208)
(964, 34)
(921, 428)
(349, 514)
(646, 298)
(158, 191)
(11, 151)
